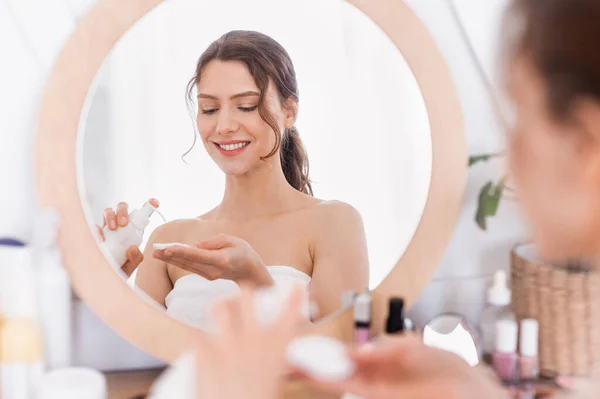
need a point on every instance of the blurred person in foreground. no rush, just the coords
(551, 60)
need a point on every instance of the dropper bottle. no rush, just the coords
(498, 308)
(120, 240)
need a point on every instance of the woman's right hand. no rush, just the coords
(119, 217)
(404, 367)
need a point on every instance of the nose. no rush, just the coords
(226, 123)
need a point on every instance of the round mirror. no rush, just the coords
(360, 84)
(356, 122)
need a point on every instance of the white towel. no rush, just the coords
(191, 299)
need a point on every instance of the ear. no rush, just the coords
(290, 109)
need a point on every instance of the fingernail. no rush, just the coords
(123, 221)
(113, 224)
(167, 253)
(368, 347)
(564, 381)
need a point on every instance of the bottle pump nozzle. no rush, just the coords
(141, 217)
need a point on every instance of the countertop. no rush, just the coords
(130, 384)
(136, 385)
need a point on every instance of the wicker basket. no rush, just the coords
(566, 303)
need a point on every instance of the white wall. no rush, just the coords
(472, 256)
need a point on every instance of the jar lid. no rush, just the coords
(72, 383)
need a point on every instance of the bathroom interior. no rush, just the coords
(402, 117)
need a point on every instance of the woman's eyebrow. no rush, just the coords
(248, 93)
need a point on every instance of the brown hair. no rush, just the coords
(266, 60)
(561, 37)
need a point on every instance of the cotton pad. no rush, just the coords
(169, 245)
(320, 357)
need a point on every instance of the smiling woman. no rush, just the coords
(254, 215)
(267, 221)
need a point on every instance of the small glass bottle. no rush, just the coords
(498, 308)
(505, 358)
(395, 320)
(528, 361)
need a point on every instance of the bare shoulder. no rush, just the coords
(333, 215)
(334, 209)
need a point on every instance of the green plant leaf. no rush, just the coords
(478, 158)
(489, 198)
(473, 159)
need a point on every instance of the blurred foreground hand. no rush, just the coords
(246, 358)
(406, 368)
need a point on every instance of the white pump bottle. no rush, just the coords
(120, 240)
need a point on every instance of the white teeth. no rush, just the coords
(231, 147)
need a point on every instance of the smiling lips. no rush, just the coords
(231, 148)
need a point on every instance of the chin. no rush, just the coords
(234, 170)
(559, 248)
(549, 252)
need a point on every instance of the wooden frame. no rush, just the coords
(107, 293)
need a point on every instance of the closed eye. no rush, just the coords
(248, 109)
(209, 111)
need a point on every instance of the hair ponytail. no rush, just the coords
(294, 161)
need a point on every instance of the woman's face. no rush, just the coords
(233, 133)
(553, 165)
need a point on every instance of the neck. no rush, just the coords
(261, 192)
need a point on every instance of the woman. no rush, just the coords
(268, 223)
(553, 76)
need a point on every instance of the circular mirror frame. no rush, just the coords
(107, 293)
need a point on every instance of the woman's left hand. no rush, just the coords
(223, 257)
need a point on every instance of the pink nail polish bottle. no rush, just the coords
(362, 319)
(528, 349)
(505, 358)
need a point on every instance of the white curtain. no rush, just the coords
(362, 117)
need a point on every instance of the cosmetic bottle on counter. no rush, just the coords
(178, 380)
(498, 308)
(54, 291)
(528, 350)
(71, 383)
(8, 255)
(348, 299)
(362, 319)
(395, 320)
(21, 361)
(118, 241)
(395, 324)
(505, 358)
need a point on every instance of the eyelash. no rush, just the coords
(243, 109)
